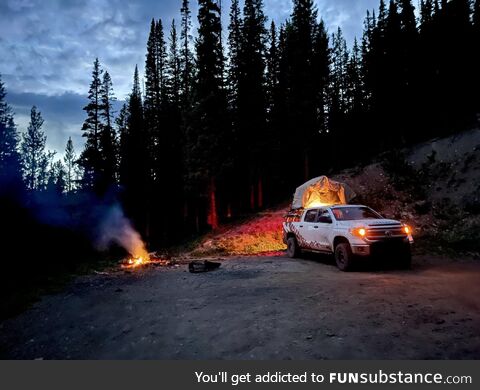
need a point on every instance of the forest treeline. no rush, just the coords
(227, 124)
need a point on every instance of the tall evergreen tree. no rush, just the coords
(70, 164)
(107, 139)
(321, 75)
(135, 176)
(273, 67)
(186, 55)
(302, 93)
(338, 87)
(251, 99)
(234, 53)
(354, 83)
(208, 133)
(57, 178)
(34, 157)
(426, 12)
(174, 67)
(90, 158)
(161, 62)
(10, 164)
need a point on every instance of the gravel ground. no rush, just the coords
(258, 308)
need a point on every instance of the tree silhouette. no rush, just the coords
(10, 164)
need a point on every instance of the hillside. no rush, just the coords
(434, 187)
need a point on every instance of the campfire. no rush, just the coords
(137, 261)
(146, 259)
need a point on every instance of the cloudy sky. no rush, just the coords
(47, 48)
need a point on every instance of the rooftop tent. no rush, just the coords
(321, 191)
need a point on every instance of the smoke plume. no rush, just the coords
(115, 228)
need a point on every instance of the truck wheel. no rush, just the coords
(343, 257)
(292, 247)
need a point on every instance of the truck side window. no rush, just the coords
(324, 217)
(310, 216)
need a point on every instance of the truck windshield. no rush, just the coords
(354, 213)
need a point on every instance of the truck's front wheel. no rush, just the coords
(292, 247)
(343, 257)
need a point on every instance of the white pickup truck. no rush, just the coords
(349, 232)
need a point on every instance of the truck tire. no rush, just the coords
(343, 257)
(292, 248)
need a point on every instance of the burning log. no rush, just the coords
(148, 260)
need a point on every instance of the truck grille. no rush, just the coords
(385, 232)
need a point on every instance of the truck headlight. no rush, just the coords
(407, 229)
(359, 232)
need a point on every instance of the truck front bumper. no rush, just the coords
(361, 250)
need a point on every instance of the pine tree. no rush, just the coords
(10, 167)
(34, 158)
(302, 93)
(339, 69)
(152, 82)
(186, 55)
(251, 99)
(234, 52)
(354, 82)
(426, 13)
(321, 75)
(208, 134)
(135, 175)
(174, 67)
(70, 164)
(121, 122)
(161, 63)
(273, 67)
(90, 159)
(44, 170)
(57, 178)
(107, 138)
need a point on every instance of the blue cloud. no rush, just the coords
(47, 48)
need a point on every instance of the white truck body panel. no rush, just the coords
(320, 235)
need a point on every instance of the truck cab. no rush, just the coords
(349, 232)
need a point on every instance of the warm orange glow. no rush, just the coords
(139, 257)
(359, 232)
(315, 203)
(135, 262)
(407, 229)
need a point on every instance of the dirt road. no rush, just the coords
(258, 308)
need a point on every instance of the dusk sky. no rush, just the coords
(47, 49)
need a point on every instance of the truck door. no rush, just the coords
(322, 227)
(307, 230)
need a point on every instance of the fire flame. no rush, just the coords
(139, 258)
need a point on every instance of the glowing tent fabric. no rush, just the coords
(321, 191)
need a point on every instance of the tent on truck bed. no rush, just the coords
(321, 191)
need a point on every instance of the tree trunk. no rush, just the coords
(252, 197)
(212, 209)
(306, 166)
(260, 193)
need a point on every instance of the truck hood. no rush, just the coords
(368, 223)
